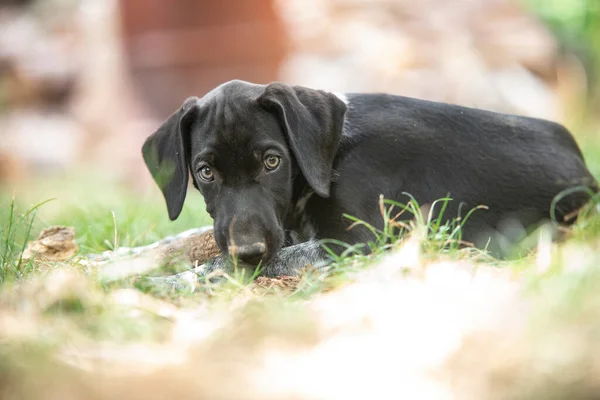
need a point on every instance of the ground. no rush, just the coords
(423, 319)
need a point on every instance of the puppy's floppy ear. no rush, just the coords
(166, 154)
(312, 121)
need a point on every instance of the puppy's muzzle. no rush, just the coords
(248, 253)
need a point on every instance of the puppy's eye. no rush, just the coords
(207, 174)
(272, 162)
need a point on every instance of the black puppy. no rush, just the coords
(278, 166)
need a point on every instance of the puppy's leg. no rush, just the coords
(292, 260)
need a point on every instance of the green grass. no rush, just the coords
(106, 215)
(577, 25)
(116, 219)
(15, 231)
(438, 235)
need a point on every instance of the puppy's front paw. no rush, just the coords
(213, 266)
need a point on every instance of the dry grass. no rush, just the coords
(410, 325)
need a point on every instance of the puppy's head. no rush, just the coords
(242, 144)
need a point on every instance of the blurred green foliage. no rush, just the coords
(577, 25)
(105, 215)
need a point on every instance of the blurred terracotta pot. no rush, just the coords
(178, 48)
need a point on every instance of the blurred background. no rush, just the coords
(84, 82)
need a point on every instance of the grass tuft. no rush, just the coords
(15, 232)
(440, 234)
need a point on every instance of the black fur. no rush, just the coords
(338, 159)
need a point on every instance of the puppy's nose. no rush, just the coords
(249, 253)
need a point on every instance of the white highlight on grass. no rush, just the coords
(543, 258)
